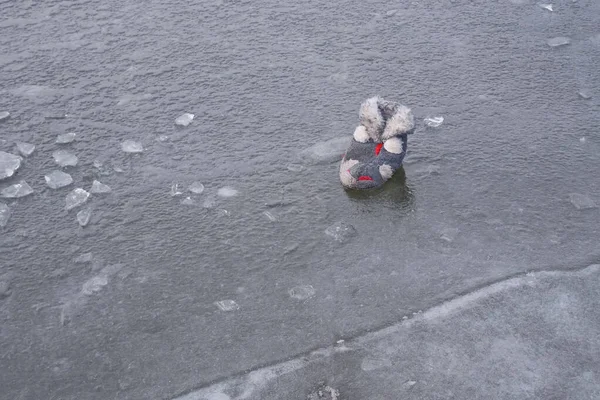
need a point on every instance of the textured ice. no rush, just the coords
(9, 164)
(4, 115)
(433, 122)
(83, 216)
(328, 151)
(17, 190)
(55, 115)
(302, 292)
(175, 191)
(558, 41)
(371, 363)
(227, 305)
(581, 201)
(227, 192)
(196, 187)
(209, 202)
(58, 179)
(585, 94)
(65, 158)
(546, 6)
(269, 215)
(84, 258)
(25, 149)
(65, 138)
(99, 187)
(76, 198)
(188, 201)
(295, 167)
(184, 119)
(449, 234)
(131, 146)
(4, 214)
(341, 232)
(94, 285)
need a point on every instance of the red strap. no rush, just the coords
(378, 148)
(365, 178)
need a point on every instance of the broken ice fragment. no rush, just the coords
(17, 190)
(84, 258)
(558, 41)
(327, 151)
(302, 292)
(584, 94)
(227, 305)
(581, 202)
(4, 215)
(55, 115)
(184, 119)
(25, 149)
(65, 138)
(188, 201)
(4, 115)
(65, 158)
(131, 146)
(76, 198)
(99, 187)
(341, 232)
(94, 285)
(196, 187)
(449, 234)
(83, 216)
(227, 192)
(175, 190)
(546, 6)
(9, 164)
(433, 122)
(58, 179)
(271, 217)
(294, 167)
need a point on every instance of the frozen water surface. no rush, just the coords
(9, 164)
(65, 158)
(58, 179)
(99, 187)
(25, 149)
(76, 198)
(65, 138)
(131, 146)
(14, 191)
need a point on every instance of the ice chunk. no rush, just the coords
(585, 94)
(546, 6)
(270, 216)
(227, 305)
(55, 115)
(184, 119)
(175, 191)
(581, 202)
(84, 258)
(433, 122)
(196, 187)
(65, 138)
(391, 13)
(558, 41)
(9, 164)
(65, 158)
(582, 139)
(227, 192)
(209, 202)
(17, 190)
(131, 146)
(4, 115)
(328, 151)
(83, 216)
(25, 149)
(295, 167)
(4, 215)
(99, 187)
(188, 201)
(302, 292)
(76, 198)
(341, 232)
(58, 179)
(94, 285)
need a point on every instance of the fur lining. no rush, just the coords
(360, 134)
(345, 177)
(386, 171)
(393, 145)
(370, 117)
(400, 123)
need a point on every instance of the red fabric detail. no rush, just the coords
(365, 178)
(378, 148)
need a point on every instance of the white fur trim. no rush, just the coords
(345, 177)
(371, 118)
(386, 171)
(401, 122)
(361, 135)
(393, 145)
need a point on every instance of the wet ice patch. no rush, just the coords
(9, 164)
(4, 115)
(17, 190)
(341, 232)
(25, 149)
(65, 138)
(64, 158)
(132, 146)
(58, 179)
(558, 41)
(196, 188)
(581, 202)
(227, 192)
(83, 217)
(327, 151)
(434, 122)
(4, 215)
(184, 119)
(302, 292)
(99, 187)
(76, 198)
(227, 305)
